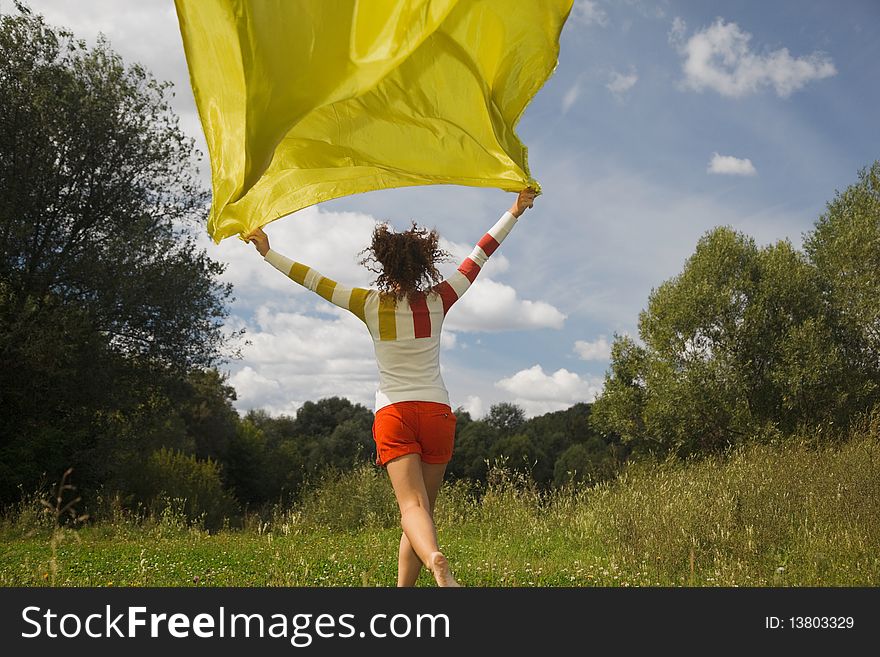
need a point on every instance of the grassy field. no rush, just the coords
(783, 514)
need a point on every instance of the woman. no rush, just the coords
(414, 426)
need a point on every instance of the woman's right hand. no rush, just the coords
(260, 240)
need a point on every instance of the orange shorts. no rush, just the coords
(414, 427)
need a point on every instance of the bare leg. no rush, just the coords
(415, 515)
(408, 563)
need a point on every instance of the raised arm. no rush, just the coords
(457, 284)
(350, 298)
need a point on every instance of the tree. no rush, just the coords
(625, 395)
(506, 418)
(246, 469)
(586, 463)
(520, 453)
(844, 246)
(462, 419)
(181, 483)
(350, 441)
(554, 432)
(320, 418)
(574, 465)
(472, 446)
(104, 298)
(204, 402)
(739, 341)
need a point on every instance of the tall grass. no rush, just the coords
(763, 514)
(783, 512)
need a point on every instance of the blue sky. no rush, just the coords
(662, 120)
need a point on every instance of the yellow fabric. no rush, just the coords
(303, 101)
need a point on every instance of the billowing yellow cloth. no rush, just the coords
(303, 101)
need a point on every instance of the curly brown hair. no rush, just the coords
(406, 262)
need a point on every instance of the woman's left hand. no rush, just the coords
(524, 201)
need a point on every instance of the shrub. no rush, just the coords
(343, 501)
(181, 485)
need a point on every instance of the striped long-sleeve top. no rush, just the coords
(405, 332)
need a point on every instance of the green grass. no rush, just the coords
(782, 513)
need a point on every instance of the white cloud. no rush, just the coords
(654, 9)
(731, 166)
(571, 96)
(537, 392)
(588, 12)
(475, 407)
(598, 349)
(295, 357)
(620, 83)
(253, 389)
(677, 31)
(326, 241)
(492, 306)
(448, 340)
(720, 58)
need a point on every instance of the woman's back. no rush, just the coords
(406, 339)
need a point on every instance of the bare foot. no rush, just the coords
(440, 568)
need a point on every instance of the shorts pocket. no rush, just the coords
(441, 417)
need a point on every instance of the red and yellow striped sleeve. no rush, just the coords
(451, 289)
(353, 299)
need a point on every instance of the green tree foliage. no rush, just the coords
(555, 432)
(624, 397)
(471, 452)
(587, 463)
(204, 403)
(573, 466)
(335, 433)
(172, 479)
(750, 338)
(520, 453)
(536, 446)
(575, 451)
(845, 248)
(106, 305)
(506, 418)
(270, 458)
(247, 465)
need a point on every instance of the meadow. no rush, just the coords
(773, 513)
